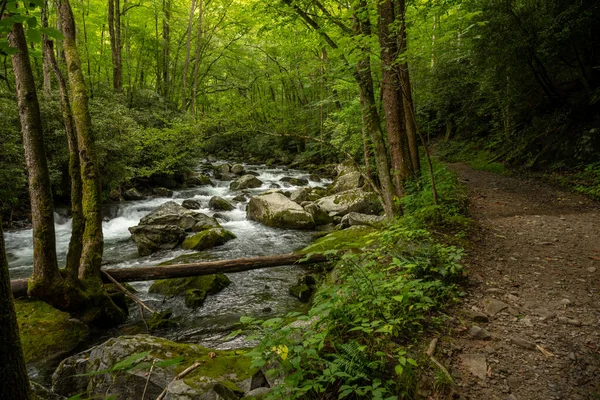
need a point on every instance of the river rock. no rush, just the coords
(355, 200)
(225, 176)
(204, 222)
(207, 239)
(152, 238)
(195, 289)
(354, 219)
(237, 169)
(198, 180)
(348, 181)
(319, 215)
(191, 204)
(39, 392)
(300, 195)
(245, 182)
(294, 181)
(315, 178)
(252, 173)
(223, 168)
(162, 192)
(274, 209)
(222, 374)
(170, 213)
(219, 203)
(133, 194)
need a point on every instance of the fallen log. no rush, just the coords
(150, 273)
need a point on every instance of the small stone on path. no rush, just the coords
(476, 364)
(479, 333)
(526, 344)
(591, 269)
(493, 307)
(479, 317)
(569, 321)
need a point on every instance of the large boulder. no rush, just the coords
(301, 194)
(320, 216)
(165, 228)
(294, 181)
(208, 238)
(220, 204)
(170, 213)
(153, 238)
(245, 182)
(191, 204)
(355, 200)
(133, 194)
(119, 368)
(357, 219)
(273, 208)
(348, 181)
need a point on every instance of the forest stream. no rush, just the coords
(261, 292)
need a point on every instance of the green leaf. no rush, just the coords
(53, 33)
(173, 361)
(34, 35)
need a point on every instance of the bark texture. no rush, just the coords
(12, 363)
(114, 29)
(45, 266)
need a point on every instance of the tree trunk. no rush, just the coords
(392, 98)
(186, 65)
(370, 115)
(114, 29)
(47, 81)
(407, 98)
(12, 363)
(45, 265)
(77, 222)
(166, 45)
(197, 59)
(97, 307)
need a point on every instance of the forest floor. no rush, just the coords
(535, 278)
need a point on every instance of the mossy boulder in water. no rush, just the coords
(46, 331)
(222, 374)
(132, 194)
(247, 181)
(273, 208)
(355, 237)
(219, 203)
(195, 289)
(207, 239)
(294, 181)
(198, 180)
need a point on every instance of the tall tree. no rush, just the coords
(45, 265)
(166, 37)
(12, 363)
(186, 64)
(114, 30)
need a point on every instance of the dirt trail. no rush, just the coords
(535, 275)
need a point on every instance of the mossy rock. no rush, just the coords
(220, 372)
(207, 239)
(46, 331)
(301, 292)
(194, 288)
(161, 320)
(194, 298)
(355, 237)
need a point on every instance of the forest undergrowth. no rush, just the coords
(364, 336)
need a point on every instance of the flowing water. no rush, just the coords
(262, 292)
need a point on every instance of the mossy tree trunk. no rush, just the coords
(45, 265)
(77, 222)
(393, 105)
(97, 307)
(12, 363)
